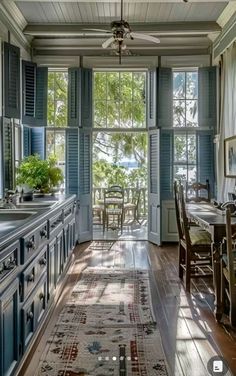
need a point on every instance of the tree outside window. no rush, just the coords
(185, 115)
(185, 99)
(56, 146)
(119, 100)
(57, 98)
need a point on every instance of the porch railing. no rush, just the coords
(129, 193)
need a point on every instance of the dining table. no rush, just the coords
(212, 220)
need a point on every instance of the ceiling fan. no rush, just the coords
(120, 31)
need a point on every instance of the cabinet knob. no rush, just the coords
(30, 244)
(43, 261)
(43, 233)
(30, 315)
(41, 296)
(30, 278)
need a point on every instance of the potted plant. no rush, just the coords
(38, 174)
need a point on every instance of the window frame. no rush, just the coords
(185, 71)
(120, 129)
(57, 70)
(185, 130)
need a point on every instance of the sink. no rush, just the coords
(15, 215)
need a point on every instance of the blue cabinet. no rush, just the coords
(31, 268)
(9, 328)
(59, 256)
(52, 246)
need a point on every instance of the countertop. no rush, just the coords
(10, 229)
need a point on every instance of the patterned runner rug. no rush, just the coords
(106, 328)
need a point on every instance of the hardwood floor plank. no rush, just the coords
(190, 334)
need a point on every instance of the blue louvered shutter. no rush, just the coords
(26, 142)
(205, 159)
(41, 96)
(11, 74)
(207, 97)
(73, 97)
(38, 141)
(85, 162)
(166, 164)
(28, 92)
(164, 98)
(85, 187)
(8, 169)
(151, 98)
(154, 186)
(72, 161)
(86, 105)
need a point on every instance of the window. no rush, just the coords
(119, 99)
(185, 115)
(56, 146)
(57, 98)
(185, 99)
(185, 168)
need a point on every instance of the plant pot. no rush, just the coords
(27, 196)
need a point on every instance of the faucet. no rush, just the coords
(7, 202)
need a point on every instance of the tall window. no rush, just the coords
(57, 116)
(185, 115)
(119, 99)
(185, 158)
(57, 98)
(56, 146)
(185, 99)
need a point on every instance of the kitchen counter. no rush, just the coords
(13, 228)
(36, 250)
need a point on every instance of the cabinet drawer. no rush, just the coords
(33, 310)
(68, 212)
(32, 274)
(55, 223)
(34, 239)
(40, 300)
(9, 259)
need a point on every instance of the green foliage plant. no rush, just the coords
(38, 174)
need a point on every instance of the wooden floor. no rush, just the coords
(189, 332)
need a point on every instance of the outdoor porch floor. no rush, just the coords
(132, 231)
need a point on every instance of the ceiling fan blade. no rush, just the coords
(101, 30)
(108, 42)
(145, 37)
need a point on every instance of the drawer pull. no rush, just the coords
(41, 296)
(30, 278)
(30, 244)
(43, 233)
(43, 261)
(30, 315)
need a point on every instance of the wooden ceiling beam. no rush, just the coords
(117, 1)
(165, 28)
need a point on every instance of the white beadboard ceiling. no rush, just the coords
(58, 28)
(105, 12)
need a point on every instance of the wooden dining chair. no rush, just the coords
(131, 207)
(228, 270)
(113, 208)
(198, 192)
(194, 244)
